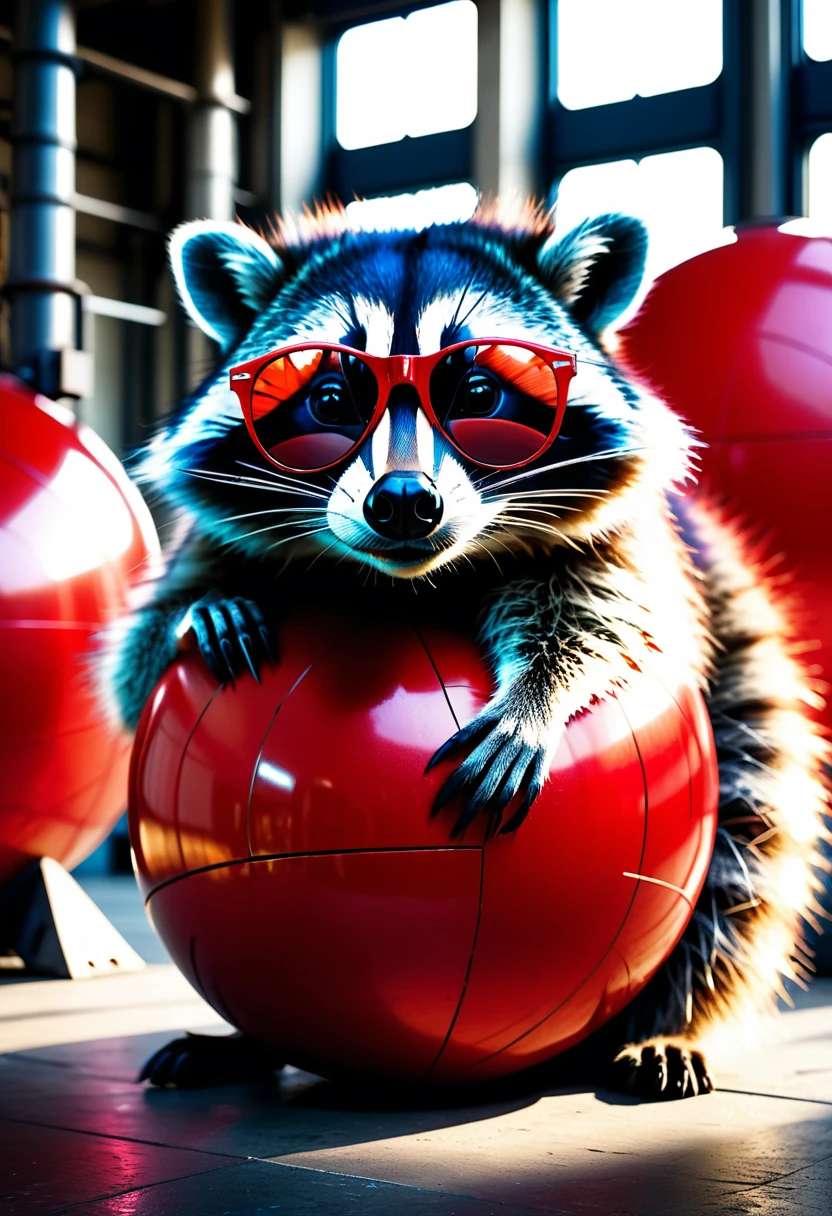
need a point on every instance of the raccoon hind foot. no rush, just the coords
(232, 637)
(198, 1061)
(660, 1071)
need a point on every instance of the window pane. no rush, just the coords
(595, 60)
(441, 48)
(441, 205)
(817, 29)
(677, 194)
(820, 180)
(407, 76)
(612, 50)
(371, 104)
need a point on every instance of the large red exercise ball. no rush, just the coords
(739, 341)
(283, 843)
(75, 537)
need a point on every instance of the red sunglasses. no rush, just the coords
(498, 401)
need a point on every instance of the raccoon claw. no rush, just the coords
(200, 1060)
(232, 637)
(661, 1071)
(500, 769)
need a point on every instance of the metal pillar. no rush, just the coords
(300, 119)
(764, 177)
(41, 283)
(213, 134)
(509, 99)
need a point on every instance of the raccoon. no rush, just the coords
(582, 565)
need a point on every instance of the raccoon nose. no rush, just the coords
(403, 506)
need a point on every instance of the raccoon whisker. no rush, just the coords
(541, 502)
(275, 474)
(459, 324)
(336, 486)
(455, 323)
(559, 464)
(230, 479)
(343, 557)
(326, 549)
(283, 480)
(497, 541)
(550, 494)
(300, 536)
(463, 557)
(529, 523)
(536, 527)
(228, 519)
(286, 523)
(541, 508)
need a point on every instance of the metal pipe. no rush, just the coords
(41, 281)
(116, 214)
(213, 133)
(509, 100)
(765, 142)
(131, 73)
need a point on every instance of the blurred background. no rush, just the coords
(694, 114)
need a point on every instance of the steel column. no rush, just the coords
(41, 283)
(764, 175)
(213, 133)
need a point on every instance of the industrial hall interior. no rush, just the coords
(416, 607)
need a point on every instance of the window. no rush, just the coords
(614, 50)
(441, 205)
(677, 194)
(414, 75)
(817, 29)
(820, 181)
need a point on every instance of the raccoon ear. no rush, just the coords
(595, 269)
(225, 274)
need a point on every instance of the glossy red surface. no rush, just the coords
(73, 532)
(739, 341)
(282, 839)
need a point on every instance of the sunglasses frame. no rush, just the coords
(392, 370)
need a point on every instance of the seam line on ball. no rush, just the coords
(244, 861)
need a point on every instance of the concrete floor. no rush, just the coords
(79, 1136)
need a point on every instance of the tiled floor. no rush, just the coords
(78, 1135)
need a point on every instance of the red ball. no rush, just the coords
(283, 841)
(73, 536)
(739, 341)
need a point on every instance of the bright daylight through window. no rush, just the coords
(820, 182)
(414, 75)
(440, 205)
(817, 29)
(677, 194)
(613, 50)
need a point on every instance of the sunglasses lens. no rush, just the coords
(497, 402)
(310, 408)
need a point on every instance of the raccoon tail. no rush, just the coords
(745, 944)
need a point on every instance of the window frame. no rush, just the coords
(716, 115)
(704, 116)
(811, 107)
(409, 164)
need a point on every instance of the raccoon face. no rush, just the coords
(405, 501)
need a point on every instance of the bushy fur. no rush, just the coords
(583, 566)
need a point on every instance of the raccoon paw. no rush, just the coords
(232, 636)
(501, 767)
(201, 1060)
(660, 1071)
